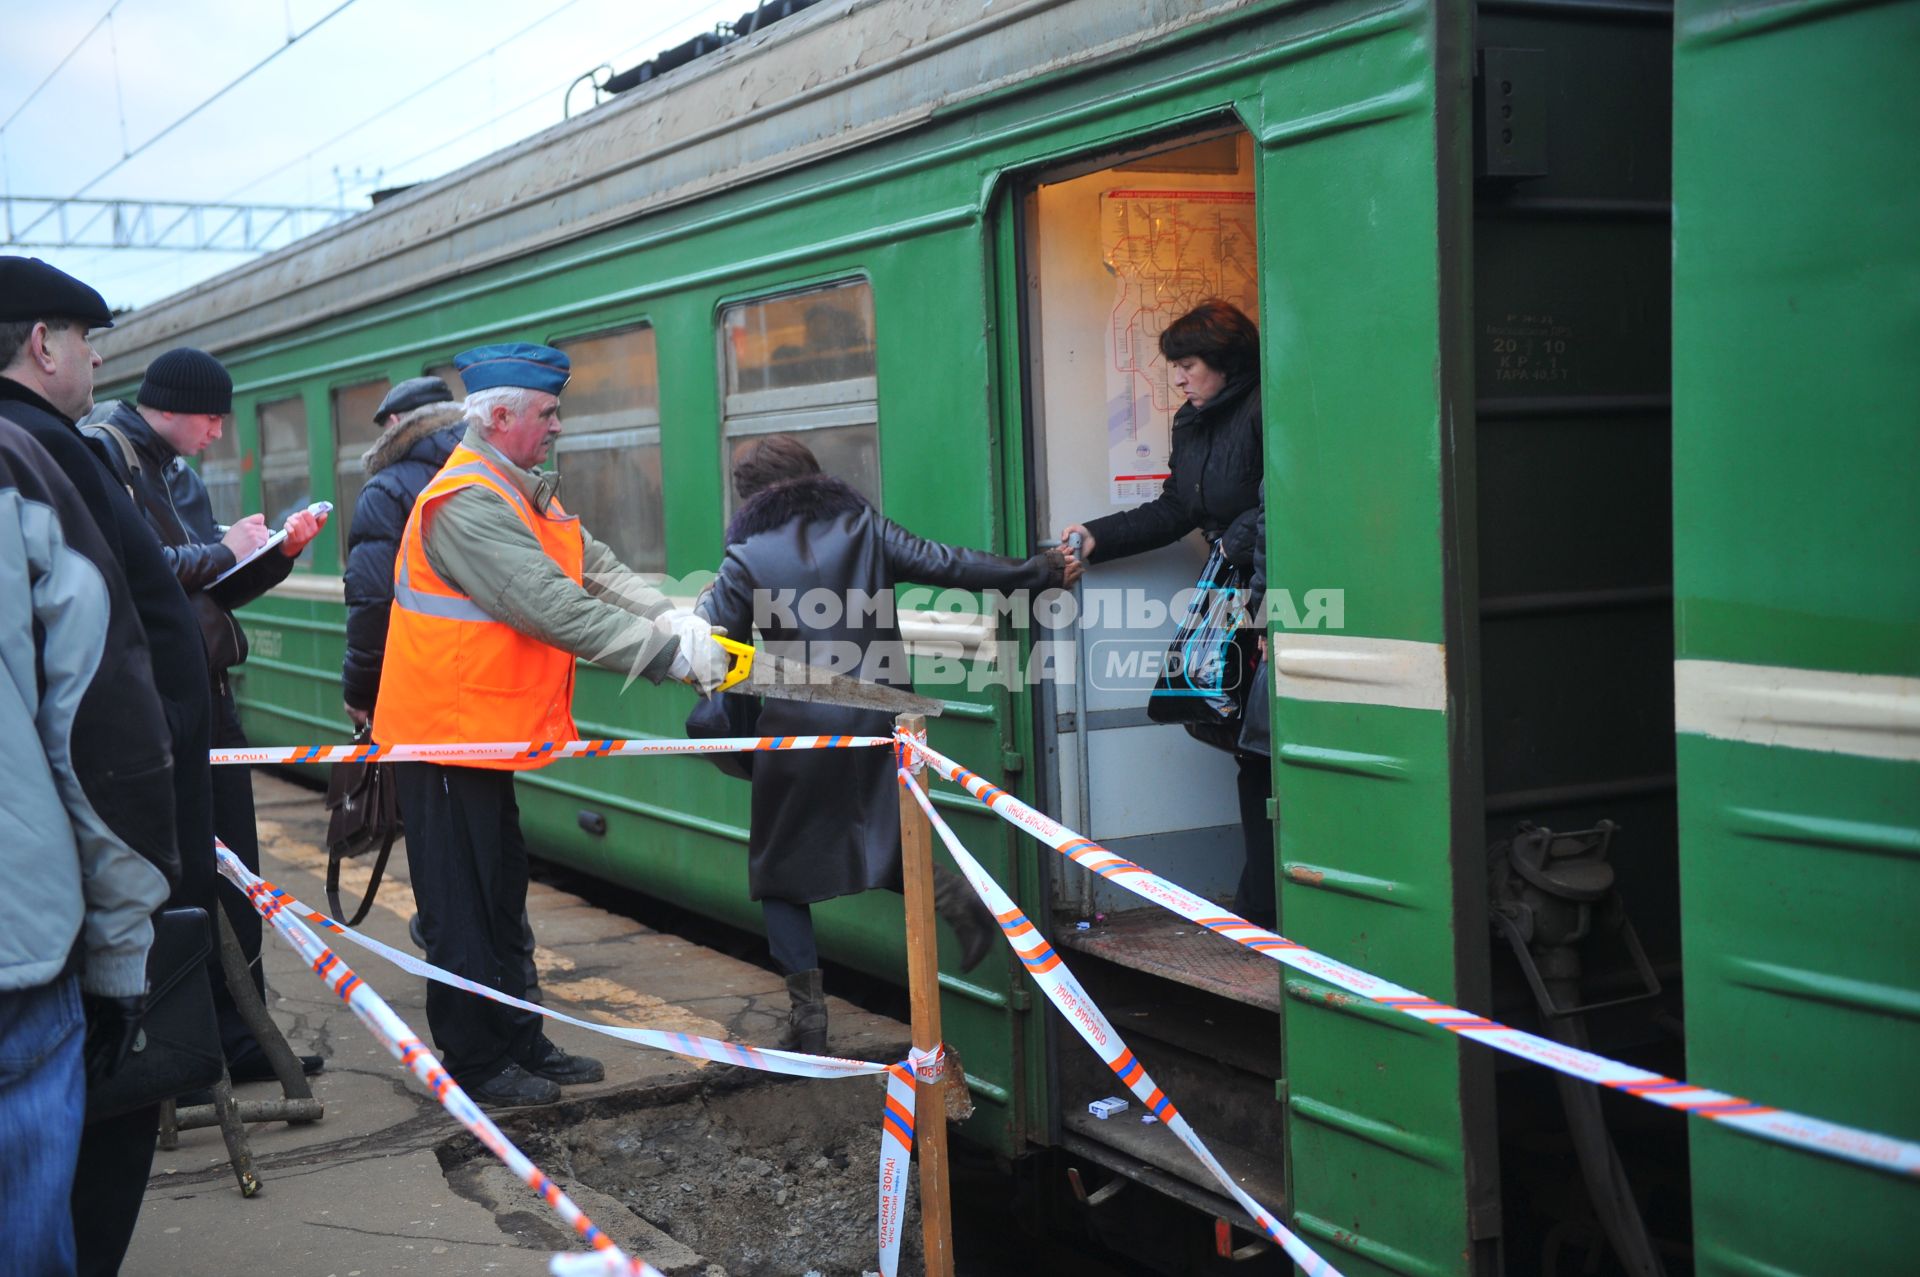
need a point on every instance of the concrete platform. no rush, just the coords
(363, 1192)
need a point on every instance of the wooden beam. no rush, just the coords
(923, 992)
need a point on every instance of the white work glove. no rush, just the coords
(699, 660)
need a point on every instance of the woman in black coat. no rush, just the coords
(826, 822)
(1214, 485)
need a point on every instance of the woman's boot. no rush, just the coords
(806, 1029)
(972, 922)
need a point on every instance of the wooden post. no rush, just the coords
(923, 992)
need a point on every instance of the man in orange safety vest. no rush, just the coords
(497, 589)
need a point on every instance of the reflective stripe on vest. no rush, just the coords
(450, 607)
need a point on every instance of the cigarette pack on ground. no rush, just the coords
(1104, 1109)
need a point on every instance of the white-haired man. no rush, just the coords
(496, 590)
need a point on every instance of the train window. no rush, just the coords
(610, 453)
(803, 363)
(220, 471)
(451, 375)
(353, 430)
(284, 483)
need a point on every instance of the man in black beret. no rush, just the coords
(45, 315)
(46, 384)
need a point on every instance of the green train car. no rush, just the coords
(1590, 399)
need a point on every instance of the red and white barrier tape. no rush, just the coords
(392, 1032)
(527, 750)
(1066, 993)
(896, 1142)
(767, 1060)
(1882, 1152)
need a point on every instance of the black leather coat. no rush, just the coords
(174, 500)
(1215, 471)
(399, 465)
(827, 822)
(173, 636)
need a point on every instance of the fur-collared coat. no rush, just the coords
(827, 822)
(401, 462)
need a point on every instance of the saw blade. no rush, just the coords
(797, 681)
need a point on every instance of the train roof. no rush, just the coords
(837, 76)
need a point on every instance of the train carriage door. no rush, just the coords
(1114, 249)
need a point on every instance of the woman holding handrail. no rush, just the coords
(1214, 486)
(826, 822)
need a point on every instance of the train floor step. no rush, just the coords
(1166, 945)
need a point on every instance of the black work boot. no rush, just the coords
(972, 922)
(514, 1087)
(806, 1029)
(563, 1067)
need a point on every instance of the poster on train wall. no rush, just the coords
(1168, 251)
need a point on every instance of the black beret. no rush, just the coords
(414, 392)
(30, 289)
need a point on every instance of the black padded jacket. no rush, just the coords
(401, 462)
(1213, 482)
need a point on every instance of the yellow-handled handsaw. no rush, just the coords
(758, 673)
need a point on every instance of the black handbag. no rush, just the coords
(363, 814)
(177, 1047)
(1203, 681)
(1256, 721)
(726, 715)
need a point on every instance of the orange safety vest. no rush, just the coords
(452, 673)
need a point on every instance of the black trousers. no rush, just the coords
(233, 822)
(468, 860)
(1255, 901)
(109, 1184)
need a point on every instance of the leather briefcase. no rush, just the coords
(363, 814)
(177, 1048)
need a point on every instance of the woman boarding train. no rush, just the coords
(1214, 485)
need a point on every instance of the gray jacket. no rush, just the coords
(476, 542)
(86, 814)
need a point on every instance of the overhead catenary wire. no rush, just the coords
(397, 103)
(60, 66)
(524, 103)
(219, 93)
(689, 16)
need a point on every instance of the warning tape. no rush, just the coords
(529, 751)
(896, 1143)
(392, 1032)
(1831, 1139)
(1065, 991)
(767, 1060)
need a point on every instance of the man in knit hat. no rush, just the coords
(182, 406)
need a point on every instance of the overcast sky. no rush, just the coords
(324, 123)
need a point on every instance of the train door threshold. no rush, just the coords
(1167, 945)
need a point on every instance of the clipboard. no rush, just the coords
(318, 509)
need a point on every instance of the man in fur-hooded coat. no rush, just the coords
(403, 460)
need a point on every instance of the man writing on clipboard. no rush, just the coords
(182, 406)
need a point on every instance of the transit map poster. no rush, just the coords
(1168, 251)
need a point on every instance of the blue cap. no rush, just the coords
(514, 363)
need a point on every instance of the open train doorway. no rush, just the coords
(1113, 248)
